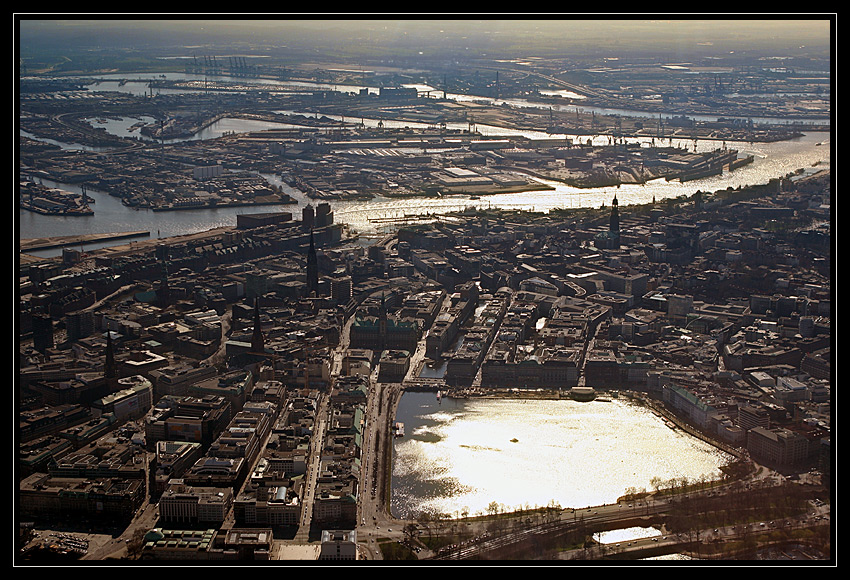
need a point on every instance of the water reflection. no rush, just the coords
(627, 534)
(772, 160)
(460, 456)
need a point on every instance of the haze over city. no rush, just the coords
(500, 38)
(550, 289)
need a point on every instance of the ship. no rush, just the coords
(398, 429)
(579, 393)
(740, 162)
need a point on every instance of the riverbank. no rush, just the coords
(771, 161)
(656, 407)
(542, 448)
(179, 206)
(474, 191)
(31, 244)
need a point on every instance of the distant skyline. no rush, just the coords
(517, 34)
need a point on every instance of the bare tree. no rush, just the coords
(136, 543)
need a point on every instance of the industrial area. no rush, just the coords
(231, 395)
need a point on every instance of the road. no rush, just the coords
(221, 352)
(376, 523)
(145, 519)
(314, 464)
(623, 514)
(373, 517)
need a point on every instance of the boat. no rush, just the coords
(398, 429)
(583, 393)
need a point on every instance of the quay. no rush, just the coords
(31, 244)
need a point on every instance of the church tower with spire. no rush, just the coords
(163, 294)
(257, 341)
(614, 225)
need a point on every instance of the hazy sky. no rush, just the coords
(517, 34)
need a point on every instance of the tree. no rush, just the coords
(656, 483)
(409, 532)
(136, 543)
(424, 519)
(552, 510)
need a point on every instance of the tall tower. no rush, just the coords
(163, 293)
(312, 267)
(110, 370)
(307, 217)
(42, 332)
(382, 323)
(614, 226)
(257, 341)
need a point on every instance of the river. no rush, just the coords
(771, 160)
(460, 455)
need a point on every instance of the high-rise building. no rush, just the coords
(79, 324)
(324, 215)
(110, 367)
(307, 217)
(42, 332)
(312, 267)
(341, 289)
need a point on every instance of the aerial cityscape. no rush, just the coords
(383, 292)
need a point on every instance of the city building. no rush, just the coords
(173, 459)
(131, 402)
(186, 504)
(338, 545)
(55, 497)
(778, 448)
(312, 268)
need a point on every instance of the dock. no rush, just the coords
(398, 429)
(31, 244)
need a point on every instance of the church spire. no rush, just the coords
(163, 294)
(257, 340)
(615, 216)
(614, 226)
